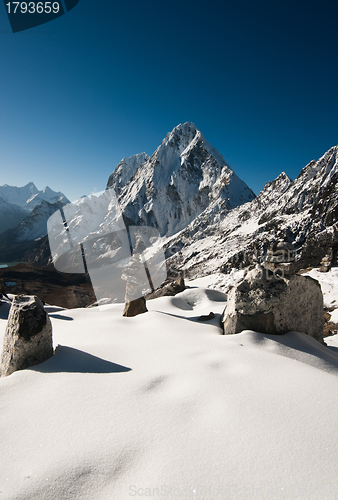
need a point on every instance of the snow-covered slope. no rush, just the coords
(33, 227)
(180, 180)
(164, 406)
(23, 223)
(18, 195)
(125, 171)
(28, 196)
(303, 212)
(10, 215)
(16, 203)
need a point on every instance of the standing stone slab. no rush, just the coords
(28, 337)
(135, 307)
(275, 305)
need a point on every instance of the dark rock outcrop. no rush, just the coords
(206, 317)
(168, 289)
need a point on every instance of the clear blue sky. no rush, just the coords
(110, 79)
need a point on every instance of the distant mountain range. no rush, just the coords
(24, 212)
(209, 219)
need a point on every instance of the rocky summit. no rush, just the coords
(183, 177)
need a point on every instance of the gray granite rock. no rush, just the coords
(273, 304)
(28, 337)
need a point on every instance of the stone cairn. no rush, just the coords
(280, 259)
(326, 262)
(28, 337)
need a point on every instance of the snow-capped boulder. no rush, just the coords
(272, 304)
(28, 337)
(169, 288)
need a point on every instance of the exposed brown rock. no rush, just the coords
(135, 307)
(168, 289)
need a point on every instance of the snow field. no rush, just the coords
(162, 405)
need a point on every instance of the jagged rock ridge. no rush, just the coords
(302, 212)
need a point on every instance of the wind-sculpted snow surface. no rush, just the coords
(90, 236)
(167, 407)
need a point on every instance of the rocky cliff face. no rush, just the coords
(177, 183)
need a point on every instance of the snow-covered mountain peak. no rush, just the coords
(28, 196)
(47, 190)
(280, 185)
(181, 141)
(18, 195)
(328, 166)
(183, 133)
(324, 168)
(182, 177)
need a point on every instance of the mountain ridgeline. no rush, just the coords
(209, 219)
(24, 212)
(303, 212)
